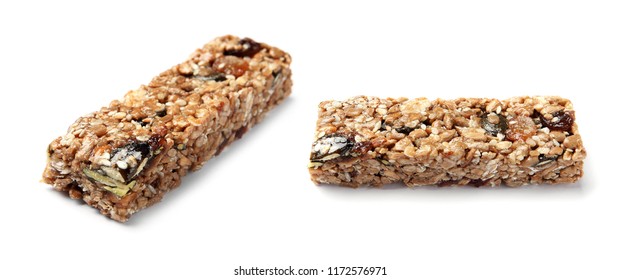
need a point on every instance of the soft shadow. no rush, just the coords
(400, 192)
(79, 203)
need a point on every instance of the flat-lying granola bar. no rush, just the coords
(126, 156)
(467, 141)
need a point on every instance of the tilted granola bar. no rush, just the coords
(467, 141)
(126, 156)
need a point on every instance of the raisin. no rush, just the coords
(240, 132)
(249, 48)
(161, 113)
(135, 146)
(560, 120)
(521, 127)
(230, 65)
(495, 127)
(360, 148)
(156, 142)
(405, 130)
(130, 160)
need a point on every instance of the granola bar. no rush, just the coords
(467, 141)
(126, 156)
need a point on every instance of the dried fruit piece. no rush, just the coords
(494, 124)
(521, 127)
(405, 130)
(132, 158)
(249, 48)
(161, 113)
(230, 65)
(561, 120)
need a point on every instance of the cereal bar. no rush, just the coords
(467, 141)
(126, 156)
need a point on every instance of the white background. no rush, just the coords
(254, 205)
